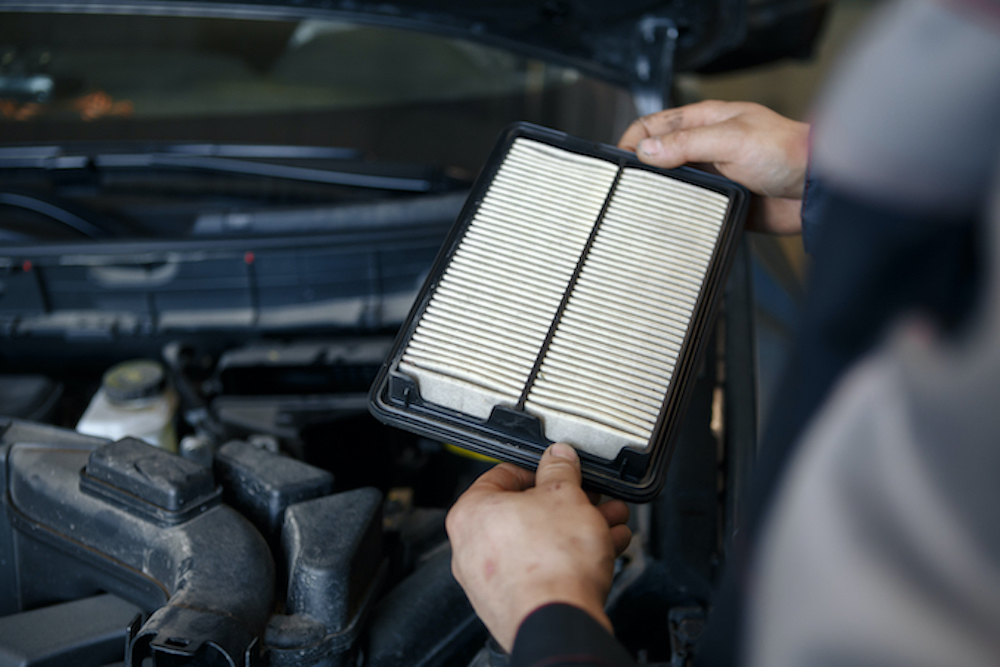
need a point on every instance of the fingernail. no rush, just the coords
(563, 451)
(651, 146)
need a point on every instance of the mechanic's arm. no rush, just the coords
(533, 545)
(745, 142)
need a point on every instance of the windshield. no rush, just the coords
(395, 95)
(163, 173)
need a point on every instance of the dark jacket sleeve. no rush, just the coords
(561, 635)
(811, 219)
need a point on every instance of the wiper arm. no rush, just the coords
(266, 169)
(264, 151)
(219, 158)
(53, 212)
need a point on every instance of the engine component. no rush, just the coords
(281, 389)
(305, 368)
(160, 488)
(134, 400)
(284, 417)
(425, 621)
(261, 484)
(90, 631)
(140, 523)
(333, 546)
(198, 448)
(31, 397)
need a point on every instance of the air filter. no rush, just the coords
(568, 304)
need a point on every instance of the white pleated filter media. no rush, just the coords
(605, 376)
(481, 333)
(606, 372)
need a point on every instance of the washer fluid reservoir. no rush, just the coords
(135, 400)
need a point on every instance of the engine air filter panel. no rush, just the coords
(568, 304)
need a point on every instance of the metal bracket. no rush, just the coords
(653, 73)
(686, 626)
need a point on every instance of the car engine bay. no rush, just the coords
(195, 300)
(291, 528)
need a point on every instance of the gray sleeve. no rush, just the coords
(912, 117)
(883, 544)
(870, 557)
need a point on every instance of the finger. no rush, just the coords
(456, 569)
(620, 537)
(615, 512)
(560, 465)
(503, 477)
(686, 117)
(711, 143)
(635, 133)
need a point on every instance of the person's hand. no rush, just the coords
(521, 540)
(746, 142)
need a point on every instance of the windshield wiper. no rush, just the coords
(53, 212)
(265, 169)
(244, 160)
(264, 151)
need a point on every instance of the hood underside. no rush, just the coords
(625, 42)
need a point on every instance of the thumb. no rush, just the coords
(711, 143)
(560, 465)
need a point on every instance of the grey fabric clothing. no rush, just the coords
(883, 546)
(910, 118)
(870, 557)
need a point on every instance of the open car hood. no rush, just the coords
(636, 43)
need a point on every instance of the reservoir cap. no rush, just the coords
(134, 380)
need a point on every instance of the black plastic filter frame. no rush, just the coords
(510, 434)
